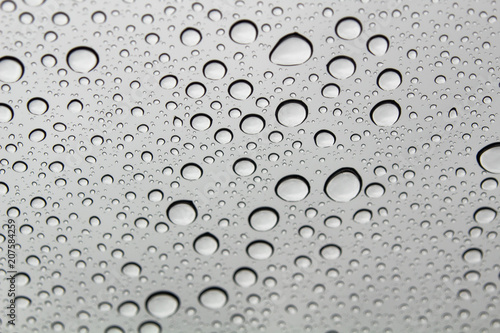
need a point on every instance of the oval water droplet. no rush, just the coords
(37, 106)
(201, 122)
(252, 124)
(330, 90)
(196, 90)
(473, 256)
(182, 212)
(489, 158)
(243, 32)
(263, 219)
(6, 113)
(191, 171)
(330, 252)
(291, 113)
(244, 167)
(292, 188)
(190, 37)
(245, 277)
(206, 244)
(155, 196)
(260, 250)
(378, 45)
(11, 69)
(240, 89)
(343, 185)
(168, 82)
(341, 67)
(291, 50)
(389, 79)
(162, 304)
(214, 70)
(213, 298)
(324, 139)
(82, 59)
(385, 113)
(362, 216)
(374, 190)
(485, 215)
(348, 28)
(131, 269)
(75, 106)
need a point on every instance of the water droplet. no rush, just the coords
(330, 90)
(362, 216)
(82, 59)
(37, 135)
(11, 69)
(333, 222)
(196, 90)
(191, 171)
(75, 106)
(292, 188)
(330, 252)
(150, 327)
(489, 158)
(291, 113)
(131, 269)
(213, 298)
(243, 32)
(260, 250)
(190, 37)
(378, 45)
(341, 67)
(324, 139)
(214, 70)
(252, 124)
(38, 203)
(162, 304)
(224, 136)
(206, 244)
(343, 185)
(374, 190)
(348, 28)
(245, 277)
(473, 256)
(489, 184)
(385, 113)
(155, 196)
(201, 122)
(128, 309)
(182, 212)
(389, 79)
(485, 215)
(263, 219)
(37, 106)
(6, 113)
(240, 89)
(244, 167)
(291, 50)
(168, 82)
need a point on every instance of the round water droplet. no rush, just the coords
(333, 222)
(214, 70)
(150, 327)
(4, 188)
(389, 79)
(168, 82)
(37, 106)
(128, 309)
(240, 89)
(190, 37)
(6, 113)
(206, 244)
(82, 59)
(348, 28)
(263, 219)
(191, 171)
(38, 203)
(291, 113)
(162, 304)
(11, 69)
(485, 215)
(243, 32)
(37, 135)
(244, 167)
(75, 106)
(155, 196)
(374, 190)
(489, 158)
(213, 298)
(292, 188)
(224, 136)
(260, 250)
(196, 90)
(341, 67)
(330, 252)
(201, 122)
(378, 45)
(489, 184)
(324, 139)
(385, 113)
(245, 277)
(252, 124)
(330, 90)
(473, 256)
(182, 212)
(343, 185)
(362, 216)
(131, 269)
(291, 50)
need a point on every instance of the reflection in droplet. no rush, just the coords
(245, 277)
(240, 89)
(182, 212)
(324, 139)
(292, 188)
(214, 70)
(213, 298)
(343, 185)
(82, 59)
(6, 113)
(244, 167)
(473, 256)
(260, 250)
(206, 244)
(485, 215)
(263, 219)
(489, 158)
(291, 50)
(190, 37)
(243, 32)
(291, 113)
(330, 252)
(348, 28)
(341, 67)
(162, 304)
(378, 45)
(389, 79)
(11, 69)
(385, 113)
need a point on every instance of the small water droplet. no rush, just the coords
(291, 113)
(206, 244)
(245, 277)
(190, 37)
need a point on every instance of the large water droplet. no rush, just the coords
(260, 250)
(206, 244)
(378, 45)
(291, 50)
(324, 139)
(38, 106)
(240, 89)
(341, 67)
(182, 212)
(201, 122)
(6, 113)
(245, 277)
(385, 113)
(191, 171)
(82, 59)
(168, 82)
(330, 252)
(485, 215)
(348, 28)
(343, 185)
(131, 269)
(213, 298)
(244, 167)
(362, 216)
(190, 37)
(196, 90)
(389, 79)
(292, 188)
(37, 135)
(489, 158)
(162, 304)
(243, 32)
(330, 90)
(214, 70)
(11, 69)
(473, 256)
(291, 113)
(252, 124)
(263, 219)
